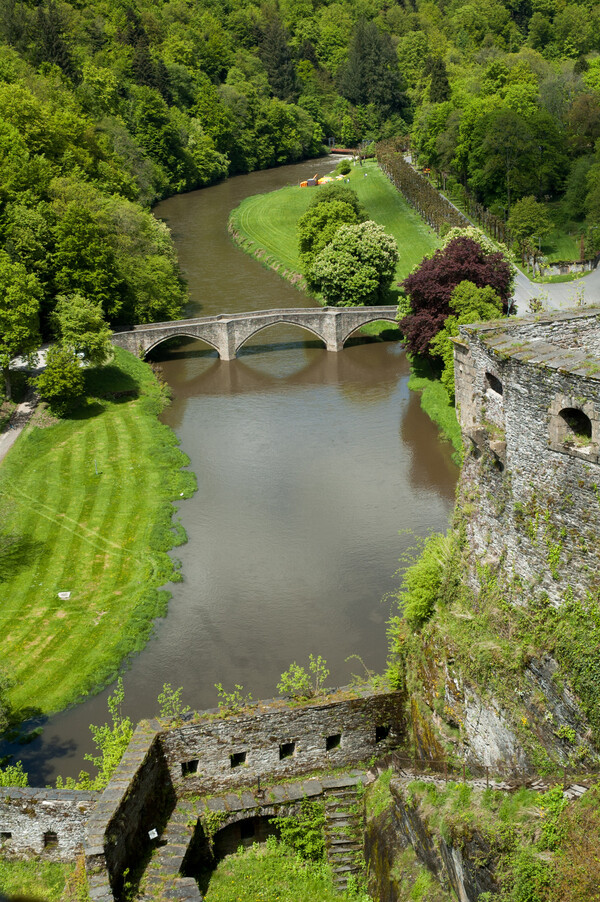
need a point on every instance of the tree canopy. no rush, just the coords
(357, 266)
(468, 304)
(430, 286)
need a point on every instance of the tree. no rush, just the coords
(357, 266)
(61, 383)
(528, 219)
(81, 327)
(439, 86)
(335, 191)
(277, 58)
(20, 294)
(469, 304)
(111, 740)
(430, 287)
(371, 74)
(317, 227)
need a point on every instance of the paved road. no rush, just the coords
(561, 295)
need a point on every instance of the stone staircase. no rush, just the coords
(162, 880)
(343, 829)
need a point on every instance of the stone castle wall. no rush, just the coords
(530, 486)
(45, 822)
(276, 740)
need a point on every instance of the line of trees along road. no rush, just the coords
(107, 106)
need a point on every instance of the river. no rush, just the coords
(312, 466)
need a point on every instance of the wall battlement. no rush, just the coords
(528, 395)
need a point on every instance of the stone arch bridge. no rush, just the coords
(229, 331)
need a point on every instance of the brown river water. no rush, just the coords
(315, 471)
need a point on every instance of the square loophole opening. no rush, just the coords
(50, 840)
(247, 829)
(333, 742)
(189, 767)
(237, 759)
(382, 732)
(287, 750)
(5, 835)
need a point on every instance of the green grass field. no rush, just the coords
(266, 223)
(35, 879)
(269, 872)
(101, 536)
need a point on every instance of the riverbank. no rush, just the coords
(90, 501)
(264, 225)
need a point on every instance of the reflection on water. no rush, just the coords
(309, 463)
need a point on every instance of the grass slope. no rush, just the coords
(102, 537)
(265, 224)
(268, 872)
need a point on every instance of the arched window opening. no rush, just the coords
(494, 384)
(50, 839)
(578, 425)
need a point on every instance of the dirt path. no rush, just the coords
(18, 421)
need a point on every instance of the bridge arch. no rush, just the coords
(283, 321)
(374, 319)
(190, 334)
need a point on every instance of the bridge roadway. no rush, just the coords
(229, 331)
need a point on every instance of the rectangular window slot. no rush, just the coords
(382, 733)
(333, 742)
(237, 759)
(247, 830)
(5, 836)
(50, 840)
(189, 767)
(287, 750)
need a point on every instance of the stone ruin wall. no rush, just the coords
(531, 503)
(49, 823)
(278, 741)
(160, 766)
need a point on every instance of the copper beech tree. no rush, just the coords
(430, 286)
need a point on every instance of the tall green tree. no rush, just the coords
(528, 219)
(371, 74)
(357, 266)
(20, 295)
(469, 304)
(61, 383)
(277, 58)
(81, 327)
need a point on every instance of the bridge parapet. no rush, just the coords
(227, 333)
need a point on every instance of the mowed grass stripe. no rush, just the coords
(270, 220)
(94, 536)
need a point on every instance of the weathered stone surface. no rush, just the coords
(467, 867)
(228, 332)
(529, 481)
(260, 732)
(139, 798)
(29, 815)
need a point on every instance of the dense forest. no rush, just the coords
(106, 107)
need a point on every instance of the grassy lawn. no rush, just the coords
(43, 880)
(558, 246)
(90, 513)
(266, 223)
(269, 872)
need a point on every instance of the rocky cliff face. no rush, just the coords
(462, 862)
